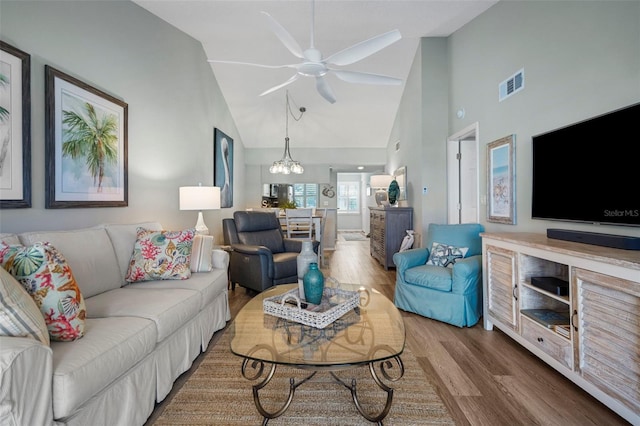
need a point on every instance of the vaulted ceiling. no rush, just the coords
(362, 115)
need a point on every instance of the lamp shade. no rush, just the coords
(380, 181)
(199, 198)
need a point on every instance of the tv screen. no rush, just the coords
(589, 171)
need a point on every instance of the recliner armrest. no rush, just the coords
(467, 274)
(295, 245)
(410, 258)
(252, 250)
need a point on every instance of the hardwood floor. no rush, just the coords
(483, 377)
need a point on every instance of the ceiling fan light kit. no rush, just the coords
(313, 64)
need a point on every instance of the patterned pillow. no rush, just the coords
(47, 277)
(445, 255)
(161, 255)
(201, 253)
(19, 314)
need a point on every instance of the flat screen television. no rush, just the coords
(589, 171)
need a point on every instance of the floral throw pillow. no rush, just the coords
(161, 255)
(445, 255)
(47, 277)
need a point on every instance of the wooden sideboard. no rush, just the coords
(388, 229)
(598, 348)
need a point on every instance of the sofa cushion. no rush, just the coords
(89, 253)
(434, 277)
(48, 278)
(445, 255)
(86, 366)
(123, 237)
(161, 255)
(209, 284)
(202, 253)
(19, 314)
(170, 309)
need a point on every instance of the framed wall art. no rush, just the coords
(85, 145)
(223, 167)
(15, 127)
(501, 180)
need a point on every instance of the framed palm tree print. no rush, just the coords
(86, 145)
(15, 128)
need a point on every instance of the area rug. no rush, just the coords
(217, 394)
(353, 236)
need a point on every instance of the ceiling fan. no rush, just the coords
(314, 65)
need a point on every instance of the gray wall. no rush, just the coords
(174, 105)
(580, 59)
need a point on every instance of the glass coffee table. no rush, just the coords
(371, 336)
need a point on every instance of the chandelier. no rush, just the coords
(286, 165)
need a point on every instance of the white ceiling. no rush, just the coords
(363, 115)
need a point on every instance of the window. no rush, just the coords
(349, 197)
(305, 194)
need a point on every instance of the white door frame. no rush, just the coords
(472, 134)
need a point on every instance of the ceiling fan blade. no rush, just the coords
(284, 36)
(215, 61)
(280, 86)
(366, 78)
(325, 90)
(364, 48)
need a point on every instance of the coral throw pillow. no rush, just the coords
(161, 255)
(446, 255)
(45, 274)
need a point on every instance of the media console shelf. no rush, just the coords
(592, 334)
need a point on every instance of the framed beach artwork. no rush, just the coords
(501, 180)
(223, 166)
(15, 127)
(85, 144)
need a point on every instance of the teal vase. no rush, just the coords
(313, 282)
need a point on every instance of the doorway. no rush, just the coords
(463, 203)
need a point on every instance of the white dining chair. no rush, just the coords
(299, 223)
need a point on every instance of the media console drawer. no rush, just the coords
(547, 340)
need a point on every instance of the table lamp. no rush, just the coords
(200, 198)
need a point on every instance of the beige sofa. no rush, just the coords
(138, 337)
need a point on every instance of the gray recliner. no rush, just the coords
(261, 255)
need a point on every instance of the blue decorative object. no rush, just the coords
(394, 192)
(313, 282)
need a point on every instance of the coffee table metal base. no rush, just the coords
(253, 370)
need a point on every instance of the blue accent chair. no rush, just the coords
(451, 295)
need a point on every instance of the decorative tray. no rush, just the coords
(335, 303)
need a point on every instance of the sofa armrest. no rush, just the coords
(26, 372)
(410, 258)
(467, 274)
(220, 259)
(252, 250)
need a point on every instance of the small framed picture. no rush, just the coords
(501, 180)
(85, 145)
(15, 127)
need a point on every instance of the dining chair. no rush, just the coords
(299, 223)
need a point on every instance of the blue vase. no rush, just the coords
(313, 282)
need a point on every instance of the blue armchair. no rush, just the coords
(450, 294)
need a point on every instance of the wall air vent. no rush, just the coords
(511, 85)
